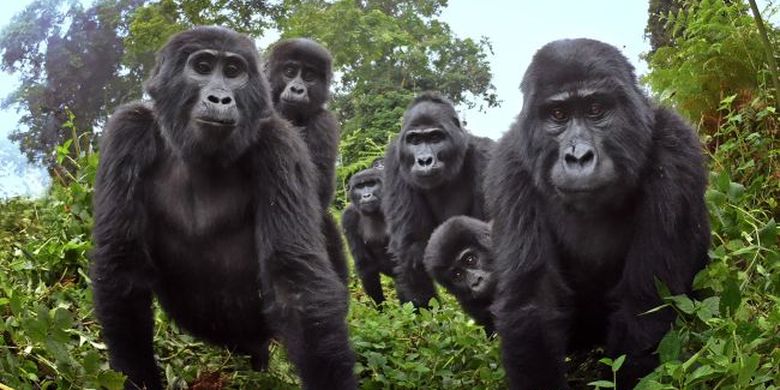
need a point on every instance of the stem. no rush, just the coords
(770, 56)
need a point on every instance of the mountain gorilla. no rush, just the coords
(433, 171)
(366, 231)
(459, 257)
(300, 71)
(596, 192)
(205, 198)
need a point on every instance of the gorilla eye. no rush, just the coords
(203, 67)
(470, 260)
(436, 137)
(458, 274)
(290, 71)
(413, 139)
(232, 70)
(558, 114)
(595, 110)
(309, 75)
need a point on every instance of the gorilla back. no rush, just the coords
(596, 193)
(206, 199)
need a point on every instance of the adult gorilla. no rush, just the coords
(433, 171)
(366, 231)
(300, 71)
(596, 193)
(459, 257)
(205, 198)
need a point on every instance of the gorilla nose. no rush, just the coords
(220, 99)
(367, 195)
(296, 89)
(580, 157)
(477, 282)
(425, 161)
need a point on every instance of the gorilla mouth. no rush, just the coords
(577, 190)
(295, 101)
(217, 122)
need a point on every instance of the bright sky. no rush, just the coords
(516, 29)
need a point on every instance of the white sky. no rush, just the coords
(516, 29)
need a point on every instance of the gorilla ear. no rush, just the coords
(152, 84)
(456, 121)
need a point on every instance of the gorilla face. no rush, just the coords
(218, 75)
(366, 194)
(300, 73)
(471, 272)
(209, 94)
(432, 144)
(577, 122)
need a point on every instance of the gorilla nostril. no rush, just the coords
(425, 161)
(213, 99)
(226, 100)
(587, 157)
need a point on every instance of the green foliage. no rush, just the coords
(716, 52)
(440, 348)
(729, 336)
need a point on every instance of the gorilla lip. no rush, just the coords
(217, 122)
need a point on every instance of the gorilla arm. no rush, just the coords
(304, 297)
(120, 263)
(527, 290)
(672, 227)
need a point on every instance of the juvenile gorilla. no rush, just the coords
(433, 171)
(205, 199)
(596, 192)
(459, 257)
(300, 71)
(366, 231)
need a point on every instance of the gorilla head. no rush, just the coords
(300, 71)
(587, 120)
(365, 190)
(458, 256)
(432, 144)
(209, 92)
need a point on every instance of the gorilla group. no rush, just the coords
(206, 199)
(434, 170)
(213, 198)
(595, 193)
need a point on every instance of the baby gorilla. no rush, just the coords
(366, 231)
(458, 256)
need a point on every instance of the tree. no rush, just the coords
(67, 59)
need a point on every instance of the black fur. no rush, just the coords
(366, 231)
(305, 108)
(205, 198)
(588, 212)
(459, 257)
(415, 204)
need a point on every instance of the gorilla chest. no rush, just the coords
(592, 249)
(202, 217)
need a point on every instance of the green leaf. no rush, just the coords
(669, 347)
(602, 384)
(731, 297)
